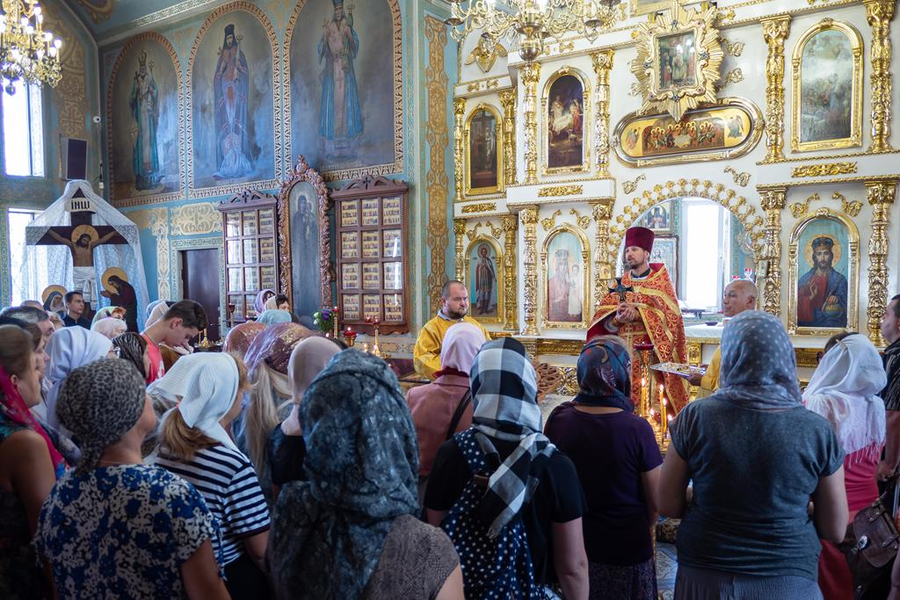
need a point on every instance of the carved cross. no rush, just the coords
(620, 289)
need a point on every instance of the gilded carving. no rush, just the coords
(531, 75)
(825, 169)
(602, 213)
(484, 55)
(553, 191)
(775, 31)
(798, 209)
(459, 159)
(769, 255)
(459, 229)
(510, 226)
(158, 221)
(584, 221)
(630, 186)
(852, 208)
(879, 14)
(508, 102)
(195, 219)
(603, 64)
(480, 207)
(550, 222)
(559, 347)
(740, 178)
(529, 218)
(733, 48)
(880, 194)
(437, 137)
(733, 76)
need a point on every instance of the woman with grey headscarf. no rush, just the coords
(114, 527)
(350, 531)
(755, 456)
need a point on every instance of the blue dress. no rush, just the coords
(122, 532)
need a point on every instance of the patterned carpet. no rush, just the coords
(666, 568)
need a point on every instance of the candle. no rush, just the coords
(664, 421)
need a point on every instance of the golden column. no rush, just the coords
(508, 101)
(459, 138)
(773, 200)
(603, 63)
(879, 14)
(880, 193)
(511, 290)
(602, 212)
(529, 218)
(531, 74)
(775, 31)
(459, 228)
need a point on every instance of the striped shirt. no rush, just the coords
(226, 480)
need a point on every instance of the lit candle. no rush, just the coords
(664, 421)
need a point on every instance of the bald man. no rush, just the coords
(740, 295)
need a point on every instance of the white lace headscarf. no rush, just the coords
(844, 389)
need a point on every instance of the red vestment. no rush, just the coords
(807, 303)
(660, 323)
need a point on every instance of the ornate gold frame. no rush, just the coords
(498, 137)
(852, 279)
(757, 124)
(709, 56)
(586, 132)
(498, 265)
(856, 42)
(653, 7)
(302, 172)
(586, 275)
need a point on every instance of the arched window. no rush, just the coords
(23, 131)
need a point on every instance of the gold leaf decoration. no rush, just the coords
(550, 222)
(798, 209)
(852, 208)
(742, 179)
(480, 207)
(553, 191)
(484, 55)
(583, 221)
(630, 186)
(825, 169)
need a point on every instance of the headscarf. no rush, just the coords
(104, 312)
(271, 303)
(273, 316)
(52, 298)
(14, 410)
(131, 348)
(241, 336)
(308, 359)
(362, 459)
(504, 394)
(152, 306)
(86, 406)
(274, 346)
(258, 303)
(207, 383)
(604, 374)
(458, 349)
(159, 311)
(70, 348)
(109, 327)
(844, 389)
(759, 368)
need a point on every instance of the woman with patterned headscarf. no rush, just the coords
(114, 527)
(261, 298)
(755, 456)
(351, 530)
(241, 336)
(511, 503)
(618, 460)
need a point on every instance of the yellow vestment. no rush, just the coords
(427, 352)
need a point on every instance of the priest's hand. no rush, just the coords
(884, 471)
(695, 379)
(626, 313)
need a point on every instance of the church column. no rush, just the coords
(775, 31)
(459, 111)
(531, 74)
(508, 101)
(880, 193)
(603, 63)
(604, 270)
(529, 219)
(510, 294)
(773, 200)
(459, 228)
(879, 14)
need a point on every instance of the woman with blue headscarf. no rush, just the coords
(755, 456)
(351, 530)
(618, 463)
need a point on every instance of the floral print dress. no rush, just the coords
(122, 532)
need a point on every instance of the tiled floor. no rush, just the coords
(666, 567)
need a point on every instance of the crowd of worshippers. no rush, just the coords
(289, 466)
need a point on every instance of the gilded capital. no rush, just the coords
(459, 226)
(603, 62)
(529, 216)
(602, 210)
(773, 198)
(509, 224)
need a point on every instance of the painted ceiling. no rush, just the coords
(108, 19)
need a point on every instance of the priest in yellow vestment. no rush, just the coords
(649, 313)
(454, 309)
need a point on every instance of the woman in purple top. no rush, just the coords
(618, 460)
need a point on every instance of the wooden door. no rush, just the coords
(200, 282)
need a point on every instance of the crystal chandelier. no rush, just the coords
(27, 52)
(532, 21)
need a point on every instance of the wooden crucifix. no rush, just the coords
(81, 237)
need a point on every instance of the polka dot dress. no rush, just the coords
(492, 569)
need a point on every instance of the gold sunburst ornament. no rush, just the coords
(678, 60)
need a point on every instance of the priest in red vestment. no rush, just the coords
(649, 313)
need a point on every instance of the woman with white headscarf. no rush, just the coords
(69, 348)
(110, 327)
(844, 389)
(195, 446)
